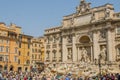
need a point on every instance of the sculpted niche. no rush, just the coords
(103, 55)
(69, 56)
(84, 55)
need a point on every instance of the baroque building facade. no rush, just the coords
(53, 45)
(87, 35)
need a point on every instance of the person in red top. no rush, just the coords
(25, 77)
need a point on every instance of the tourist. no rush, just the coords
(67, 78)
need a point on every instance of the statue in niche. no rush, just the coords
(84, 55)
(107, 12)
(69, 39)
(69, 54)
(103, 54)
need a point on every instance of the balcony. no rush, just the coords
(54, 59)
(60, 59)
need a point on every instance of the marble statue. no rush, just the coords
(107, 13)
(84, 55)
(69, 39)
(103, 54)
(69, 54)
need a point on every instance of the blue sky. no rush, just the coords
(34, 16)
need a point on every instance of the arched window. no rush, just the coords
(18, 61)
(27, 62)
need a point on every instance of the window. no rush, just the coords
(6, 58)
(1, 48)
(33, 50)
(1, 58)
(54, 53)
(27, 62)
(15, 58)
(60, 38)
(48, 40)
(19, 53)
(48, 54)
(19, 44)
(16, 42)
(39, 50)
(28, 54)
(20, 37)
(18, 61)
(7, 41)
(39, 56)
(29, 40)
(54, 39)
(118, 51)
(7, 49)
(118, 30)
(36, 56)
(35, 45)
(1, 40)
(16, 50)
(28, 45)
(32, 56)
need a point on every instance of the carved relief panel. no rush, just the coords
(102, 34)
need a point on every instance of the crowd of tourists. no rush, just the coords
(55, 76)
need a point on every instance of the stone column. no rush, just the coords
(64, 49)
(96, 48)
(51, 54)
(92, 55)
(110, 45)
(74, 53)
(79, 54)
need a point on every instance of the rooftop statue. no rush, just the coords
(83, 7)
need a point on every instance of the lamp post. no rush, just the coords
(99, 64)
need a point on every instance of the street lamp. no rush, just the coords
(99, 64)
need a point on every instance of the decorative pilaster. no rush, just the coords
(96, 49)
(92, 55)
(64, 48)
(74, 49)
(110, 45)
(79, 54)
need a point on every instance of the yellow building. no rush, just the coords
(8, 47)
(24, 52)
(37, 58)
(14, 48)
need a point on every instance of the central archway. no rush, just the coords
(84, 45)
